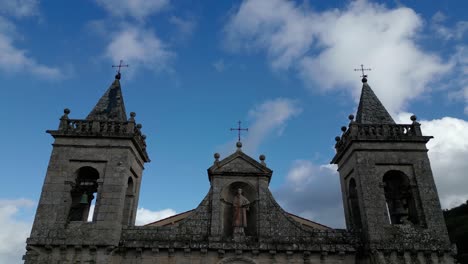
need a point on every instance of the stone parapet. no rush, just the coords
(378, 132)
(102, 128)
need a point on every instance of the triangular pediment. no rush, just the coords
(239, 163)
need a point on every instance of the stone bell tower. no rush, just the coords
(389, 194)
(92, 184)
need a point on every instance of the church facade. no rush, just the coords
(392, 210)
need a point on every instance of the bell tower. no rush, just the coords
(389, 195)
(92, 183)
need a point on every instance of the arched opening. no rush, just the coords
(353, 204)
(399, 198)
(83, 193)
(128, 205)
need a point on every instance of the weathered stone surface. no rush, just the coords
(367, 151)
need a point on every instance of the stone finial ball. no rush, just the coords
(337, 139)
(216, 155)
(66, 111)
(262, 157)
(239, 144)
(143, 136)
(343, 128)
(132, 114)
(351, 117)
(364, 80)
(413, 118)
(139, 126)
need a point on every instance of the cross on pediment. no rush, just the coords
(239, 129)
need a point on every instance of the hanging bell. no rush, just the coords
(84, 199)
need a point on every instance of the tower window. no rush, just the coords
(83, 193)
(399, 198)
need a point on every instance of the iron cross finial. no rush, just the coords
(119, 67)
(239, 129)
(364, 76)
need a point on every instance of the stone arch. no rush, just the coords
(353, 204)
(237, 260)
(84, 190)
(228, 193)
(399, 198)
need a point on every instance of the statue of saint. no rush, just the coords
(240, 206)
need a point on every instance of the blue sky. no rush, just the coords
(284, 68)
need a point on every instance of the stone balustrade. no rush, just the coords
(102, 128)
(394, 132)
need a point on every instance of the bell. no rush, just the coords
(84, 199)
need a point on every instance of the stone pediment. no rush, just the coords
(239, 163)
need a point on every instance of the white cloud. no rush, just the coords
(185, 26)
(264, 120)
(267, 119)
(448, 152)
(313, 191)
(14, 60)
(324, 47)
(19, 8)
(13, 231)
(145, 216)
(138, 9)
(455, 32)
(460, 79)
(140, 48)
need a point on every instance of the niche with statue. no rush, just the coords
(239, 210)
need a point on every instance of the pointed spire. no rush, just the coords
(111, 106)
(370, 109)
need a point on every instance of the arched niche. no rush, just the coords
(399, 198)
(228, 195)
(129, 202)
(353, 204)
(83, 193)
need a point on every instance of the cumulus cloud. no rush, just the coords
(138, 9)
(313, 191)
(14, 60)
(448, 151)
(19, 8)
(14, 231)
(145, 216)
(317, 44)
(139, 47)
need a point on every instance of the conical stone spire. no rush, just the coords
(111, 106)
(370, 109)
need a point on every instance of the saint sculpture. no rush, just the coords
(240, 206)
